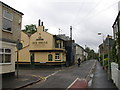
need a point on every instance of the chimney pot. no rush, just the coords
(39, 22)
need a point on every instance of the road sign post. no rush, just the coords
(19, 47)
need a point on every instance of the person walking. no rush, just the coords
(79, 62)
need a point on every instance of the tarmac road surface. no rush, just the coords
(65, 77)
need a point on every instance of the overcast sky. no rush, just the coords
(87, 17)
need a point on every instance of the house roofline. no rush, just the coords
(11, 8)
(116, 19)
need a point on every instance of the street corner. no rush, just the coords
(78, 83)
(20, 82)
(29, 80)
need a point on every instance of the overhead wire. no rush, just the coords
(79, 10)
(100, 11)
(77, 15)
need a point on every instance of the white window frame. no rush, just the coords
(4, 53)
(4, 17)
(57, 55)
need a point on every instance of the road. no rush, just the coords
(62, 77)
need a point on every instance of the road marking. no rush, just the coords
(78, 83)
(45, 78)
(90, 83)
(73, 82)
(52, 74)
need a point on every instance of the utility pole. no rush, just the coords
(108, 58)
(103, 47)
(85, 53)
(19, 46)
(71, 32)
(71, 45)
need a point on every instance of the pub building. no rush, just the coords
(41, 48)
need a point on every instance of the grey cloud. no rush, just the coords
(88, 17)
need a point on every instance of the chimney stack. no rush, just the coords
(71, 32)
(39, 22)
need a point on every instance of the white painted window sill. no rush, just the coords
(1, 64)
(7, 31)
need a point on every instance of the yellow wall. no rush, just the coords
(43, 57)
(24, 55)
(41, 44)
(25, 39)
(48, 43)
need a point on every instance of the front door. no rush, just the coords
(32, 58)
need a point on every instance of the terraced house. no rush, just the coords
(116, 35)
(41, 48)
(10, 28)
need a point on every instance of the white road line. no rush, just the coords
(52, 74)
(90, 83)
(73, 83)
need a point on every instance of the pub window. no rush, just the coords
(5, 55)
(50, 57)
(58, 44)
(57, 56)
(7, 21)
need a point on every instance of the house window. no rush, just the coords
(58, 44)
(57, 56)
(7, 21)
(50, 57)
(5, 55)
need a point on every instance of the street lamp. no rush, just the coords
(103, 46)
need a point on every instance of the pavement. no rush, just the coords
(100, 79)
(21, 81)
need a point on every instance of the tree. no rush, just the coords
(91, 53)
(30, 29)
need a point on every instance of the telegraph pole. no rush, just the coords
(71, 32)
(19, 46)
(71, 46)
(85, 52)
(108, 58)
(103, 47)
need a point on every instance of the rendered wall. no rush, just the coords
(8, 67)
(115, 74)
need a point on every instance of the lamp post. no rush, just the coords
(103, 46)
